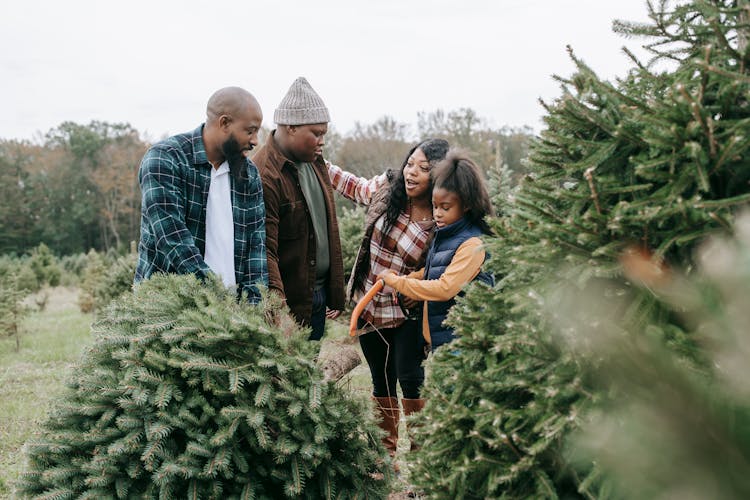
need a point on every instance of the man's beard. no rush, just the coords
(235, 158)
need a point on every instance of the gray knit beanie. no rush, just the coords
(301, 106)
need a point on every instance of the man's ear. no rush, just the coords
(224, 121)
(291, 129)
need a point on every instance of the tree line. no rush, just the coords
(76, 188)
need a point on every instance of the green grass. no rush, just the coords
(33, 377)
(51, 342)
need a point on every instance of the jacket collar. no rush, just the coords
(452, 229)
(275, 156)
(199, 147)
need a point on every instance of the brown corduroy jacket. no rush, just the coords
(290, 237)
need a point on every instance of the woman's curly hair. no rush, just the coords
(434, 150)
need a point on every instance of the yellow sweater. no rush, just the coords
(464, 267)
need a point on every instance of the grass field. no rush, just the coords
(33, 377)
(51, 342)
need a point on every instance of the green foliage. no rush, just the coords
(74, 264)
(16, 270)
(8, 265)
(187, 393)
(16, 196)
(105, 276)
(12, 309)
(93, 275)
(45, 266)
(73, 267)
(117, 280)
(670, 430)
(655, 160)
(500, 186)
(76, 191)
(24, 277)
(351, 230)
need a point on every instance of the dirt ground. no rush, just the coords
(57, 299)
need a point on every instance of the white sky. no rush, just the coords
(154, 63)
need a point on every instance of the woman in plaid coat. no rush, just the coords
(398, 228)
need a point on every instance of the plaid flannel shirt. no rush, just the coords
(175, 175)
(357, 189)
(401, 249)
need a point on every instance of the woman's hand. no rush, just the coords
(408, 302)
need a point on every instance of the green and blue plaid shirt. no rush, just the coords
(175, 176)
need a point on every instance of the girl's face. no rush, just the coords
(447, 207)
(417, 175)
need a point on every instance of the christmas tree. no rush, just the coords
(117, 279)
(654, 162)
(188, 394)
(671, 431)
(45, 266)
(94, 273)
(12, 308)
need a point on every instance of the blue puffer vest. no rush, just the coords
(443, 248)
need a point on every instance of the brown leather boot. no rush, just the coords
(412, 406)
(389, 416)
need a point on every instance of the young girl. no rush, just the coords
(460, 203)
(398, 227)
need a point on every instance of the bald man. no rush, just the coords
(202, 199)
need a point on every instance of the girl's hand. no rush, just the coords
(385, 274)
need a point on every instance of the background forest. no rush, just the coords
(76, 188)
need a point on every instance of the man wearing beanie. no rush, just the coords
(302, 237)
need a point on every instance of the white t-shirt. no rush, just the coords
(220, 226)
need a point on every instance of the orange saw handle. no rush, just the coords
(362, 304)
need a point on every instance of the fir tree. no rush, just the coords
(12, 308)
(500, 186)
(672, 431)
(93, 275)
(655, 160)
(45, 266)
(188, 394)
(351, 228)
(117, 280)
(23, 277)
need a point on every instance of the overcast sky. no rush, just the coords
(154, 63)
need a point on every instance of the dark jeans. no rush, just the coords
(395, 354)
(318, 320)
